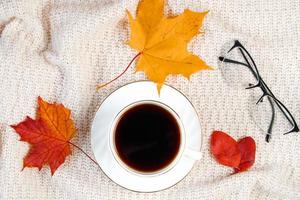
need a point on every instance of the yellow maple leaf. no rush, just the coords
(162, 41)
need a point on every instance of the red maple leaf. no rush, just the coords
(49, 136)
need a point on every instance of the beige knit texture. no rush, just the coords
(61, 50)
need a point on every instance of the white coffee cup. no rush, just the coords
(108, 116)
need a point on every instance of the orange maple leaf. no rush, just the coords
(162, 42)
(49, 136)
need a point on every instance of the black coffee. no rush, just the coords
(147, 137)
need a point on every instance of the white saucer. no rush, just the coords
(117, 101)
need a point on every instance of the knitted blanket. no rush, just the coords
(61, 49)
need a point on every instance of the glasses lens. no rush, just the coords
(237, 69)
(268, 116)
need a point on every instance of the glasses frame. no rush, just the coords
(250, 64)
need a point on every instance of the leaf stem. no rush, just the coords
(105, 84)
(84, 153)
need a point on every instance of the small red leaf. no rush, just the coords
(225, 149)
(247, 148)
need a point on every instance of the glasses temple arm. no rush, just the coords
(281, 106)
(221, 58)
(238, 44)
(268, 136)
(254, 72)
(288, 116)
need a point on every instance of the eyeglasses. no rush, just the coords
(239, 70)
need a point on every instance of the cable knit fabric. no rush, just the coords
(62, 49)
